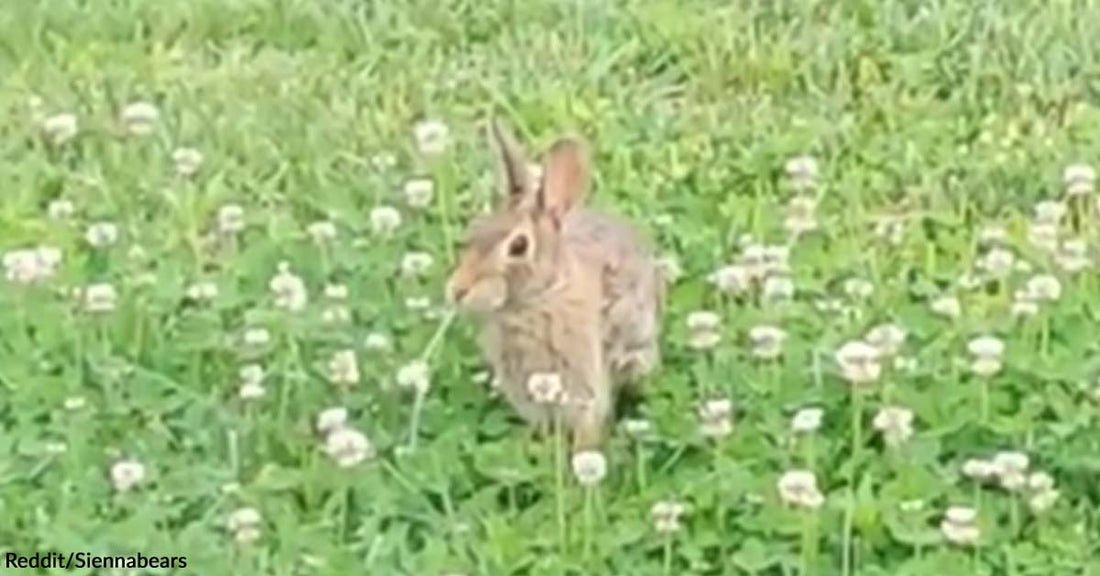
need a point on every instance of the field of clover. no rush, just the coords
(225, 227)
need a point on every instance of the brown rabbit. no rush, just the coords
(559, 289)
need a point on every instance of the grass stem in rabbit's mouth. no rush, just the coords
(437, 338)
(425, 356)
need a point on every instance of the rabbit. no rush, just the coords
(558, 288)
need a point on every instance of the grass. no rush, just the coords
(944, 116)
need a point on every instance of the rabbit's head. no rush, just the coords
(514, 254)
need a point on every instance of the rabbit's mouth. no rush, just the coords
(478, 297)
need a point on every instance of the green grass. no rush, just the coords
(949, 116)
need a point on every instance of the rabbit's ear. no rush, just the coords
(565, 179)
(515, 181)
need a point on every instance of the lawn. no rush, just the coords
(226, 227)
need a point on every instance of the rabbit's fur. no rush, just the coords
(561, 289)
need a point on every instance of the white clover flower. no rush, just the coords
(416, 264)
(48, 258)
(778, 288)
(60, 128)
(1042, 501)
(979, 469)
(895, 424)
(202, 291)
(101, 234)
(589, 467)
(414, 376)
(126, 474)
(74, 403)
(31, 265)
(1024, 305)
(419, 192)
(336, 291)
(997, 262)
(637, 427)
(777, 259)
(256, 337)
(1011, 469)
(666, 516)
(993, 234)
(230, 219)
(245, 524)
(802, 171)
(384, 220)
(251, 374)
(800, 215)
(343, 368)
(731, 279)
(1073, 256)
(958, 526)
(545, 387)
(859, 362)
(1049, 212)
(348, 447)
(703, 320)
(858, 288)
(961, 515)
(807, 420)
(1043, 287)
(336, 315)
(332, 419)
(99, 298)
(251, 391)
(799, 488)
(887, 338)
(60, 209)
(377, 342)
(987, 352)
(1040, 482)
(767, 341)
(187, 161)
(1041, 492)
(140, 118)
(322, 231)
(432, 137)
(669, 265)
(703, 326)
(1043, 235)
(757, 261)
(716, 418)
(289, 290)
(1079, 179)
(946, 306)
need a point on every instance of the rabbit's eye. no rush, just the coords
(518, 246)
